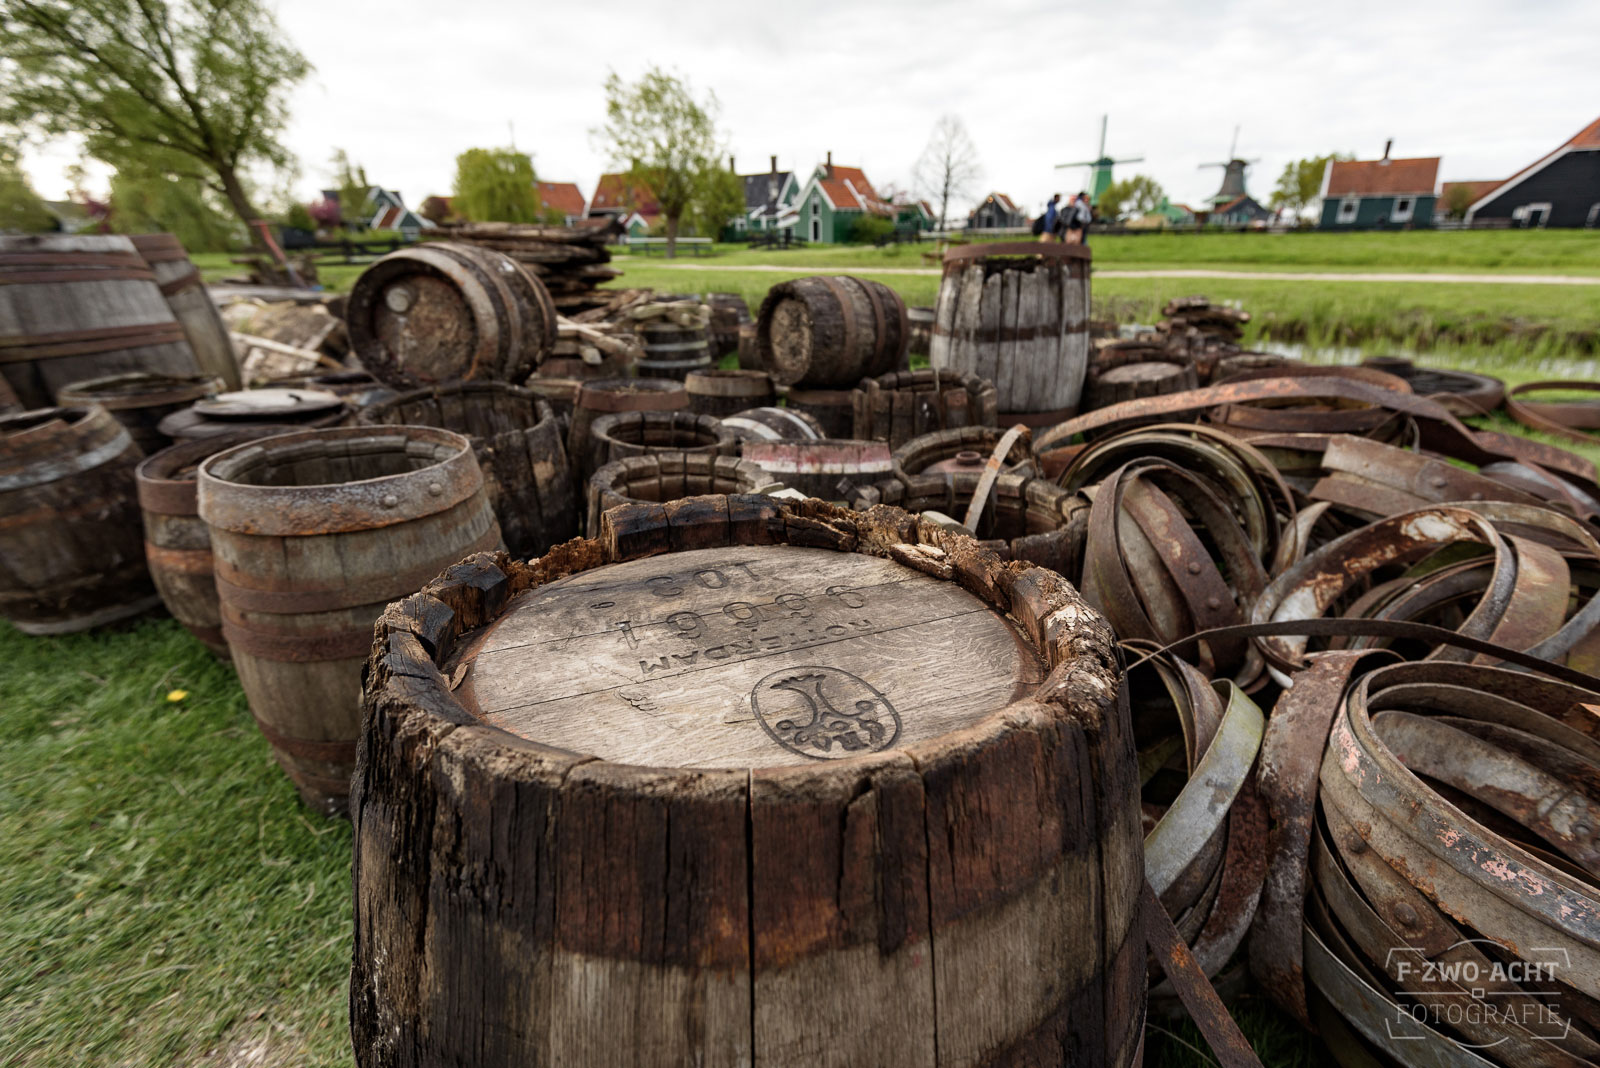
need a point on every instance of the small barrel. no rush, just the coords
(610, 395)
(449, 312)
(176, 544)
(70, 553)
(519, 446)
(774, 424)
(312, 534)
(732, 793)
(139, 400)
(672, 350)
(1017, 315)
(825, 468)
(729, 313)
(623, 434)
(902, 405)
(185, 293)
(658, 477)
(722, 393)
(833, 409)
(829, 332)
(80, 306)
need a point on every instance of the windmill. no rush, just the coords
(1233, 173)
(1100, 174)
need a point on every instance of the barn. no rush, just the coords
(1560, 189)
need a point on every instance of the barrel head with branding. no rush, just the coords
(753, 656)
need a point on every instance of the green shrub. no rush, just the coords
(868, 229)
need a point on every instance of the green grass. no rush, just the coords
(164, 897)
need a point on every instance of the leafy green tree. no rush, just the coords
(666, 140)
(496, 185)
(355, 192)
(147, 198)
(21, 209)
(1136, 196)
(867, 229)
(720, 200)
(1458, 200)
(207, 81)
(1301, 181)
(298, 217)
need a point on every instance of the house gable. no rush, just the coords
(564, 197)
(1562, 186)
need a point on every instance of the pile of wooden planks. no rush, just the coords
(571, 261)
(1195, 322)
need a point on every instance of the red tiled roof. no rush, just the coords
(612, 194)
(848, 188)
(1588, 137)
(387, 218)
(562, 196)
(1006, 202)
(1479, 190)
(1379, 177)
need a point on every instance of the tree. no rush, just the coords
(21, 209)
(324, 212)
(1458, 200)
(436, 210)
(666, 140)
(948, 167)
(1301, 181)
(1136, 196)
(496, 185)
(720, 200)
(149, 197)
(355, 192)
(205, 82)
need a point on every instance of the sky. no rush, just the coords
(1489, 85)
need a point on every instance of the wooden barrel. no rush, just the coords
(623, 434)
(773, 424)
(760, 801)
(831, 331)
(139, 400)
(70, 553)
(729, 313)
(902, 405)
(722, 393)
(822, 468)
(672, 350)
(833, 409)
(191, 305)
(658, 477)
(312, 534)
(177, 545)
(1132, 381)
(610, 395)
(749, 348)
(449, 312)
(77, 306)
(517, 439)
(1018, 316)
(291, 409)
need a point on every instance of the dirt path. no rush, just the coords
(1263, 276)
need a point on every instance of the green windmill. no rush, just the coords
(1100, 173)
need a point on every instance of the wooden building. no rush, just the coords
(1243, 210)
(1379, 194)
(634, 207)
(768, 200)
(564, 197)
(1560, 189)
(997, 212)
(833, 198)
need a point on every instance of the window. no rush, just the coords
(816, 205)
(1403, 207)
(1594, 216)
(1347, 209)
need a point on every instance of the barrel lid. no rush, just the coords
(747, 656)
(260, 403)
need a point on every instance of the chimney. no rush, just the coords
(830, 163)
(1387, 145)
(774, 164)
(731, 166)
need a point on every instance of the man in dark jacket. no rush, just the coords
(1076, 220)
(1052, 219)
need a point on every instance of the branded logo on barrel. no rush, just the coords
(1476, 994)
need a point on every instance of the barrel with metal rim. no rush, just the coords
(833, 409)
(312, 534)
(672, 350)
(829, 332)
(1016, 315)
(192, 306)
(77, 306)
(902, 405)
(609, 395)
(723, 393)
(774, 424)
(623, 434)
(729, 313)
(825, 468)
(70, 553)
(658, 477)
(449, 312)
(139, 400)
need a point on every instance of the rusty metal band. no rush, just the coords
(881, 339)
(1006, 333)
(71, 259)
(159, 248)
(294, 511)
(847, 311)
(340, 751)
(991, 471)
(345, 594)
(1210, 1015)
(66, 277)
(87, 342)
(1564, 420)
(322, 784)
(962, 254)
(209, 635)
(162, 496)
(349, 644)
(182, 282)
(178, 561)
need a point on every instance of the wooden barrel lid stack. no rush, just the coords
(741, 782)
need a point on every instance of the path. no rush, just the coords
(1262, 276)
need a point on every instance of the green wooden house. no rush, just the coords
(832, 199)
(1379, 194)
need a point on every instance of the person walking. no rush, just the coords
(1077, 218)
(1052, 218)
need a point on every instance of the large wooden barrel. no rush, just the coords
(1016, 315)
(833, 409)
(70, 553)
(177, 545)
(139, 400)
(724, 393)
(191, 305)
(902, 405)
(672, 350)
(517, 439)
(774, 424)
(312, 533)
(729, 793)
(820, 468)
(610, 395)
(828, 332)
(658, 477)
(449, 312)
(77, 306)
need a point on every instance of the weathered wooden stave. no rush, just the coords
(77, 306)
(139, 400)
(312, 533)
(520, 451)
(902, 405)
(608, 395)
(1132, 381)
(729, 315)
(722, 393)
(658, 477)
(828, 332)
(673, 351)
(622, 434)
(1016, 315)
(833, 409)
(70, 554)
(998, 863)
(185, 293)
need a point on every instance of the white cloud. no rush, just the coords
(1488, 84)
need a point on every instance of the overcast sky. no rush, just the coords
(1489, 85)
